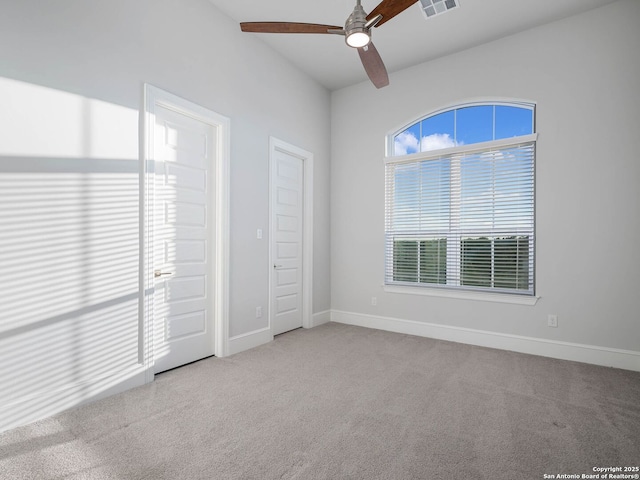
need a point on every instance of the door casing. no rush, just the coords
(154, 96)
(276, 145)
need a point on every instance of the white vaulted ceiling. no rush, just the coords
(406, 40)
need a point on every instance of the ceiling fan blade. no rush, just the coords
(286, 27)
(373, 65)
(389, 9)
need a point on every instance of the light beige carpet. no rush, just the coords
(342, 402)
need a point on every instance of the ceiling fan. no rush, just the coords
(357, 32)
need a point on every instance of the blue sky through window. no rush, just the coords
(438, 131)
(513, 121)
(464, 126)
(474, 124)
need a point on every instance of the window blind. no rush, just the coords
(462, 219)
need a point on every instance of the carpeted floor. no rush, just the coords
(342, 402)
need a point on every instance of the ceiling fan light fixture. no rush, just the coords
(358, 39)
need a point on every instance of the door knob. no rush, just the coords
(160, 273)
(277, 266)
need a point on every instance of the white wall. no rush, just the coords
(582, 72)
(71, 83)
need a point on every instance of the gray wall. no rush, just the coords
(582, 72)
(74, 71)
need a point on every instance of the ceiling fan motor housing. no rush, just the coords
(356, 25)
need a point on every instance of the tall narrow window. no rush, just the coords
(460, 200)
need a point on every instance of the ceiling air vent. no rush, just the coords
(431, 8)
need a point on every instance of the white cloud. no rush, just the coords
(405, 143)
(438, 141)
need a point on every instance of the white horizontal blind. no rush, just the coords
(464, 219)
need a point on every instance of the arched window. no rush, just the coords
(460, 199)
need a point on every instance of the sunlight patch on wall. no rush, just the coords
(42, 122)
(69, 249)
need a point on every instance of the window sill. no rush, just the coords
(463, 295)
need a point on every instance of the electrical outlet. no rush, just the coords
(552, 321)
(258, 312)
(259, 234)
(374, 301)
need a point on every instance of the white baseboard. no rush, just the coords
(320, 318)
(243, 342)
(608, 357)
(249, 340)
(43, 404)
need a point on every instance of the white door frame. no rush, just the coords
(276, 145)
(153, 97)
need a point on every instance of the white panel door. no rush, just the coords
(286, 247)
(184, 151)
